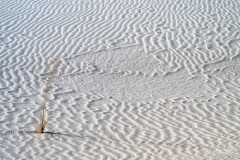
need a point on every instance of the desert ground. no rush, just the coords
(120, 79)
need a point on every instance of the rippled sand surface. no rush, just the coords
(138, 79)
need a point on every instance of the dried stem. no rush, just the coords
(43, 120)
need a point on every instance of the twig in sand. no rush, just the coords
(43, 120)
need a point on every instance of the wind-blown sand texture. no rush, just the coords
(139, 79)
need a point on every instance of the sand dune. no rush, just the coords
(139, 79)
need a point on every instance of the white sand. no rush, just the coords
(139, 79)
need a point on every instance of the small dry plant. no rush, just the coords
(43, 120)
